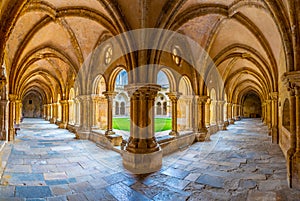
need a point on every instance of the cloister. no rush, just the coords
(204, 64)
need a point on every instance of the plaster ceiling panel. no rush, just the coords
(94, 4)
(22, 27)
(55, 35)
(87, 33)
(192, 3)
(199, 29)
(232, 32)
(61, 66)
(267, 26)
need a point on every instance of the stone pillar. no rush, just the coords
(77, 112)
(234, 111)
(229, 112)
(18, 111)
(269, 113)
(64, 114)
(84, 129)
(142, 154)
(54, 113)
(263, 112)
(201, 132)
(275, 135)
(295, 182)
(174, 96)
(95, 100)
(12, 109)
(292, 148)
(110, 95)
(220, 116)
(207, 113)
(4, 118)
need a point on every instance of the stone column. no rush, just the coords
(77, 112)
(18, 111)
(207, 113)
(174, 96)
(295, 182)
(201, 134)
(229, 112)
(64, 114)
(269, 113)
(12, 109)
(84, 129)
(95, 99)
(4, 118)
(110, 95)
(220, 116)
(142, 154)
(275, 136)
(54, 113)
(292, 149)
(263, 113)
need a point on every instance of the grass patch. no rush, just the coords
(161, 124)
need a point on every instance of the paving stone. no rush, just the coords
(99, 194)
(61, 190)
(57, 198)
(33, 191)
(77, 197)
(55, 176)
(213, 181)
(177, 183)
(261, 196)
(124, 193)
(247, 184)
(7, 191)
(176, 173)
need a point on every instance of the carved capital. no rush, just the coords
(64, 102)
(84, 98)
(12, 97)
(174, 96)
(274, 96)
(142, 90)
(110, 95)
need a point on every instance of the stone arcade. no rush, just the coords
(78, 64)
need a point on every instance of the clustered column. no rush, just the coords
(83, 131)
(12, 107)
(174, 96)
(293, 155)
(110, 98)
(274, 105)
(201, 134)
(143, 154)
(64, 113)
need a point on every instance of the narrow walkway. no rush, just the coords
(238, 164)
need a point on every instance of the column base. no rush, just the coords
(11, 134)
(295, 174)
(82, 135)
(109, 132)
(275, 139)
(115, 139)
(142, 163)
(231, 121)
(201, 136)
(174, 133)
(62, 125)
(52, 121)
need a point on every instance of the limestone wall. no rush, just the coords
(32, 107)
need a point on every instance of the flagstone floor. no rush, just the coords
(47, 163)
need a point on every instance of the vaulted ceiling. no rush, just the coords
(45, 42)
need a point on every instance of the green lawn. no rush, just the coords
(161, 124)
